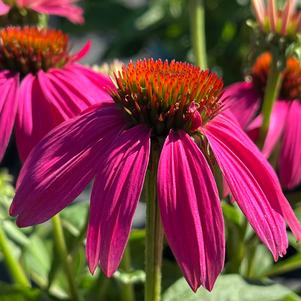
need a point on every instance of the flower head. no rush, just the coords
(177, 107)
(245, 102)
(167, 95)
(285, 21)
(30, 49)
(20, 12)
(291, 78)
(42, 85)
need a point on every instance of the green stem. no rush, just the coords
(127, 289)
(154, 235)
(197, 16)
(60, 244)
(43, 21)
(14, 268)
(270, 95)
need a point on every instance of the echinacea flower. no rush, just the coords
(285, 126)
(285, 21)
(176, 107)
(63, 8)
(41, 84)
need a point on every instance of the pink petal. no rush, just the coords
(63, 8)
(190, 210)
(82, 52)
(277, 124)
(51, 97)
(290, 156)
(253, 184)
(4, 9)
(243, 100)
(62, 164)
(116, 192)
(36, 116)
(8, 107)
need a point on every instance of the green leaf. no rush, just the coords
(37, 258)
(231, 288)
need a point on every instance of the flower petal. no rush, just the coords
(62, 164)
(277, 125)
(243, 100)
(35, 117)
(290, 156)
(4, 9)
(253, 184)
(190, 210)
(8, 107)
(116, 192)
(63, 8)
(51, 97)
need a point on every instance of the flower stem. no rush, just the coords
(197, 25)
(127, 289)
(43, 21)
(14, 268)
(271, 93)
(154, 235)
(60, 244)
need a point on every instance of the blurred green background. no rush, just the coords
(160, 28)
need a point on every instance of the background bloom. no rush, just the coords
(285, 126)
(42, 85)
(176, 106)
(63, 8)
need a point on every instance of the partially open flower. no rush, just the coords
(176, 108)
(285, 21)
(22, 12)
(245, 100)
(277, 30)
(41, 84)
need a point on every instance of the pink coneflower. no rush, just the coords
(176, 107)
(284, 22)
(41, 84)
(63, 8)
(245, 102)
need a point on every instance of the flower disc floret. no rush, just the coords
(30, 49)
(291, 83)
(168, 95)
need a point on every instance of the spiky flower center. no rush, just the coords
(291, 83)
(30, 49)
(167, 95)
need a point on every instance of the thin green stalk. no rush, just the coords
(14, 268)
(60, 244)
(154, 235)
(271, 93)
(198, 34)
(127, 292)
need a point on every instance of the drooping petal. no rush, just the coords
(63, 8)
(253, 184)
(4, 9)
(190, 210)
(290, 155)
(63, 163)
(35, 117)
(116, 192)
(51, 97)
(277, 125)
(243, 100)
(8, 107)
